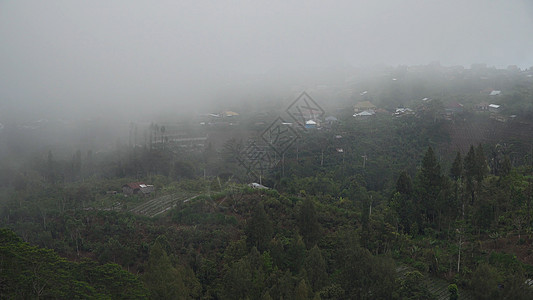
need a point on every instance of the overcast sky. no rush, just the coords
(79, 56)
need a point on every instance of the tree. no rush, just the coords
(430, 180)
(362, 275)
(456, 173)
(161, 278)
(231, 150)
(404, 184)
(470, 171)
(402, 202)
(457, 167)
(308, 223)
(302, 291)
(286, 286)
(505, 167)
(182, 169)
(238, 280)
(111, 280)
(29, 272)
(315, 269)
(430, 171)
(484, 282)
(411, 286)
(476, 169)
(470, 163)
(454, 292)
(266, 296)
(295, 254)
(259, 229)
(481, 168)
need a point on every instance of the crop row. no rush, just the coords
(159, 205)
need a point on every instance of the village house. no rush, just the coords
(365, 114)
(255, 185)
(403, 111)
(135, 188)
(364, 106)
(453, 108)
(310, 124)
(483, 106)
(494, 108)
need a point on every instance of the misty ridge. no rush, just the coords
(337, 89)
(76, 76)
(266, 150)
(110, 59)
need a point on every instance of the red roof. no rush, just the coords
(134, 185)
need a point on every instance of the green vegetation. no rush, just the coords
(397, 214)
(33, 272)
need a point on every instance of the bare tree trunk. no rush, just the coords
(459, 256)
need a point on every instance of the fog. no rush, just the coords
(91, 58)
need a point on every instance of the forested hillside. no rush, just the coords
(434, 204)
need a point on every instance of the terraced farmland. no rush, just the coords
(161, 205)
(437, 286)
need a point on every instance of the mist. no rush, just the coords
(266, 149)
(75, 58)
(70, 64)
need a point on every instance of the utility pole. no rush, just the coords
(283, 165)
(459, 244)
(370, 211)
(364, 160)
(343, 162)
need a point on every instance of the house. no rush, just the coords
(483, 106)
(135, 188)
(494, 107)
(365, 113)
(255, 185)
(310, 124)
(495, 93)
(364, 105)
(453, 107)
(403, 111)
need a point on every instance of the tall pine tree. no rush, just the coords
(403, 204)
(259, 229)
(430, 184)
(161, 278)
(457, 167)
(470, 172)
(308, 223)
(481, 164)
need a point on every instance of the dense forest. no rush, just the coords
(425, 205)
